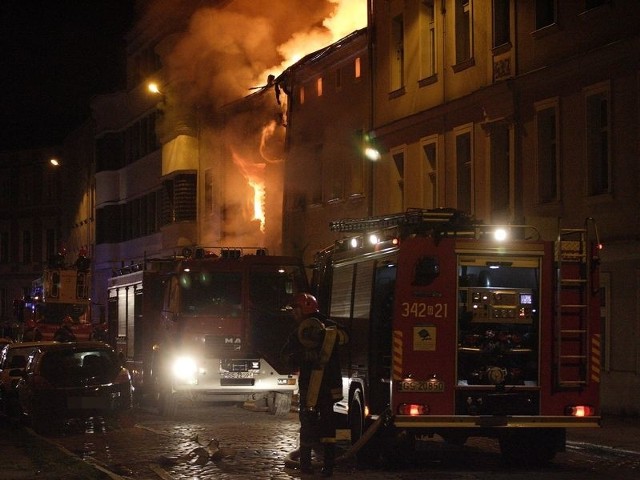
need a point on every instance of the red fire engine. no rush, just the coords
(62, 292)
(456, 333)
(207, 325)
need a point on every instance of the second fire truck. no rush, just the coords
(457, 333)
(208, 324)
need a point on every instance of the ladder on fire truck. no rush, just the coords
(572, 312)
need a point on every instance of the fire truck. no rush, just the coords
(63, 291)
(208, 325)
(459, 329)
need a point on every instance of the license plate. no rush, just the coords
(422, 386)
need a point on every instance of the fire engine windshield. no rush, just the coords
(206, 293)
(272, 286)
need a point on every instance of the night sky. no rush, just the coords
(57, 54)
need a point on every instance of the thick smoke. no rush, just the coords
(228, 50)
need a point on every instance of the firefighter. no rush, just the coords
(312, 347)
(65, 333)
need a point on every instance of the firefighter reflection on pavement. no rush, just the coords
(312, 347)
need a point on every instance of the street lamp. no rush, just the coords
(55, 162)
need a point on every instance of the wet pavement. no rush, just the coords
(227, 441)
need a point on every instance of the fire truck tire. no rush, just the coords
(368, 452)
(531, 447)
(279, 403)
(167, 403)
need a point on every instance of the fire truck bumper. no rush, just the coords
(490, 421)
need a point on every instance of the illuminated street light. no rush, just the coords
(372, 154)
(55, 162)
(154, 88)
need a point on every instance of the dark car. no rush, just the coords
(13, 360)
(74, 380)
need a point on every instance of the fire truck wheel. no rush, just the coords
(167, 403)
(532, 447)
(279, 403)
(368, 453)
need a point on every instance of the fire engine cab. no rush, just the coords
(208, 325)
(459, 329)
(63, 291)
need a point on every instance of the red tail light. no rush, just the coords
(412, 409)
(580, 411)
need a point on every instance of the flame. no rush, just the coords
(259, 193)
(348, 16)
(254, 174)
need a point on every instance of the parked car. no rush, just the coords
(74, 380)
(13, 360)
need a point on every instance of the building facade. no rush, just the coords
(525, 112)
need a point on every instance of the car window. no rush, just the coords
(69, 368)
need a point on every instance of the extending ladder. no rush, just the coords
(572, 311)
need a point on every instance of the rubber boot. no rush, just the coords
(305, 460)
(329, 459)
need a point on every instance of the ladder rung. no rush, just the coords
(573, 357)
(567, 231)
(573, 306)
(573, 331)
(572, 281)
(572, 382)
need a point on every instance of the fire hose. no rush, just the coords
(292, 460)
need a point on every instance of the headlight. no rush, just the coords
(185, 369)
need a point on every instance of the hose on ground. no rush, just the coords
(292, 460)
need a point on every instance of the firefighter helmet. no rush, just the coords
(306, 302)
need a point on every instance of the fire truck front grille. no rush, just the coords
(217, 344)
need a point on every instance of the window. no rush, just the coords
(464, 167)
(500, 190)
(397, 53)
(140, 139)
(338, 78)
(547, 156)
(397, 180)
(179, 199)
(464, 40)
(501, 23)
(427, 39)
(357, 72)
(301, 95)
(430, 162)
(598, 138)
(545, 13)
(319, 86)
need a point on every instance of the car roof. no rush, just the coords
(11, 346)
(79, 346)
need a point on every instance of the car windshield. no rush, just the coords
(78, 368)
